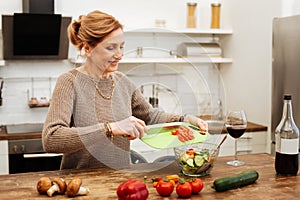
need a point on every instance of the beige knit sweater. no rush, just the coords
(74, 125)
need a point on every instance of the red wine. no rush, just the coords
(286, 164)
(236, 131)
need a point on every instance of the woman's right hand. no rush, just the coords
(130, 127)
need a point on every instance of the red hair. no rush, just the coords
(92, 28)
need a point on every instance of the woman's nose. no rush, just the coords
(118, 55)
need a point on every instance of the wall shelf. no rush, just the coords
(185, 30)
(144, 60)
(166, 60)
(176, 60)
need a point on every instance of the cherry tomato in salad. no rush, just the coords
(190, 152)
(197, 185)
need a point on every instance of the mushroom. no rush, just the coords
(74, 188)
(59, 186)
(43, 185)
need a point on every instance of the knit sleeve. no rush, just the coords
(142, 109)
(59, 136)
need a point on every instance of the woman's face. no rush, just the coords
(107, 54)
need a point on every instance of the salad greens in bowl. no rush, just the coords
(196, 159)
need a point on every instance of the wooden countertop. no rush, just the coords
(251, 127)
(103, 182)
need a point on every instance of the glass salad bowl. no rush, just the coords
(196, 159)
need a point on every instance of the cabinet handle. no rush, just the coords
(244, 151)
(245, 138)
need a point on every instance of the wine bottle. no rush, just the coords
(287, 141)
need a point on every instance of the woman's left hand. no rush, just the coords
(196, 121)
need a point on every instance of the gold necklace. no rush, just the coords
(99, 91)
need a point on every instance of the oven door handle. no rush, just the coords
(41, 155)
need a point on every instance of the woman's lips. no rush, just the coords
(114, 62)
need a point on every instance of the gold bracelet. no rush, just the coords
(108, 131)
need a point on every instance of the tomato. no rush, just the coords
(184, 189)
(197, 185)
(175, 132)
(164, 188)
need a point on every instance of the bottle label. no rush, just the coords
(288, 146)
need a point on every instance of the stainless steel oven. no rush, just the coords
(27, 155)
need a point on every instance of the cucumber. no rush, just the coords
(235, 181)
(199, 161)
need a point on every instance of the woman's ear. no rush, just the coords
(87, 48)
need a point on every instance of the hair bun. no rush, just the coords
(76, 26)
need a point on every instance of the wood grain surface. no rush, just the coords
(103, 182)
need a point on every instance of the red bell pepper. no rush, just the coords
(132, 190)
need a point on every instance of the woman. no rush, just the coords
(94, 105)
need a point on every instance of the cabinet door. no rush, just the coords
(250, 142)
(4, 157)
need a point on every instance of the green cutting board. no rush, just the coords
(159, 136)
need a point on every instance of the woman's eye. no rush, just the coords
(110, 48)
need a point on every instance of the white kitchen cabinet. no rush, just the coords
(4, 157)
(250, 142)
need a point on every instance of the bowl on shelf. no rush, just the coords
(196, 159)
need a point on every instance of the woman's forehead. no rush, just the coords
(114, 37)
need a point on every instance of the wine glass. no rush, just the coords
(236, 124)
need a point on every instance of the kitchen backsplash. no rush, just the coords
(185, 91)
(24, 79)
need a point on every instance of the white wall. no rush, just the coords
(246, 81)
(22, 78)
